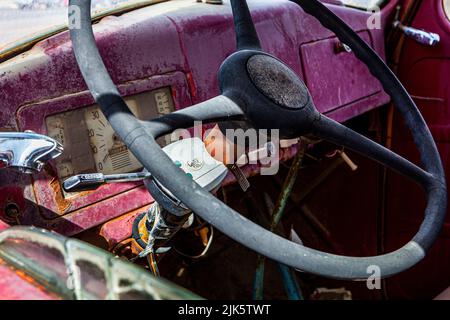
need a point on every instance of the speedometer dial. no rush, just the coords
(110, 154)
(90, 143)
(56, 130)
(163, 102)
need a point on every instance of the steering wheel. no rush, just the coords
(262, 90)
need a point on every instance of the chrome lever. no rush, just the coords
(27, 152)
(423, 37)
(189, 155)
(91, 181)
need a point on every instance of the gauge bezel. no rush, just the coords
(90, 143)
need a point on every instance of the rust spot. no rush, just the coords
(62, 204)
(119, 229)
(191, 84)
(174, 93)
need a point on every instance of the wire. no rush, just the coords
(203, 253)
(153, 264)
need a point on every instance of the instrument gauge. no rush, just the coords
(110, 154)
(90, 143)
(55, 127)
(163, 102)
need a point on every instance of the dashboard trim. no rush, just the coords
(47, 187)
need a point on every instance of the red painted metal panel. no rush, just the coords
(425, 72)
(342, 80)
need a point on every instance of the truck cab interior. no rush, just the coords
(119, 180)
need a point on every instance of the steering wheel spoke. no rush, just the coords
(339, 134)
(246, 35)
(220, 108)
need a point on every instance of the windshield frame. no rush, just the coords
(364, 4)
(21, 45)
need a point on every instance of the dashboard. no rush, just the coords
(90, 143)
(163, 58)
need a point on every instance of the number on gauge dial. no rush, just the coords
(109, 152)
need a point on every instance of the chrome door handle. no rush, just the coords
(423, 37)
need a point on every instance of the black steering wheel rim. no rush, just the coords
(238, 103)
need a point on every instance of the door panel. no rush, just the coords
(425, 71)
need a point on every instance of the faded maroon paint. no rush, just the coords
(184, 46)
(119, 229)
(93, 215)
(425, 73)
(358, 80)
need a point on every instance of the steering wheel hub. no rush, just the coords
(272, 95)
(269, 75)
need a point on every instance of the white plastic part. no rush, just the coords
(191, 156)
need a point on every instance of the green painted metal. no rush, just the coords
(291, 286)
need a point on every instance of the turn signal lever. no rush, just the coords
(188, 154)
(27, 152)
(155, 227)
(91, 181)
